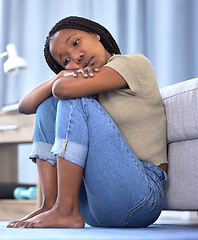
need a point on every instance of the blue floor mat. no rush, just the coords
(154, 232)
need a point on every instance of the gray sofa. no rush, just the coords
(181, 106)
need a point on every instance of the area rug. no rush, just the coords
(154, 232)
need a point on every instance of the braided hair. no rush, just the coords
(82, 24)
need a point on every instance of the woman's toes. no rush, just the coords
(33, 225)
(19, 224)
(15, 225)
(25, 225)
(11, 224)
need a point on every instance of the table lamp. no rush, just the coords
(14, 64)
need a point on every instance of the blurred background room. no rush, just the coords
(165, 31)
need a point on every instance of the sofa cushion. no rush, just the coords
(182, 183)
(181, 105)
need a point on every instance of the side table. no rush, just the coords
(15, 128)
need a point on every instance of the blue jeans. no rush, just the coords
(118, 190)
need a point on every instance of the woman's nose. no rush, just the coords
(78, 57)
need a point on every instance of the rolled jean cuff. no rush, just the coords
(42, 150)
(71, 151)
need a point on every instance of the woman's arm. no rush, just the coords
(105, 80)
(71, 84)
(29, 103)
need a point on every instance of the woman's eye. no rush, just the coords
(66, 61)
(76, 42)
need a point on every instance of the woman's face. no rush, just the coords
(75, 49)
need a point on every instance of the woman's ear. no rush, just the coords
(95, 35)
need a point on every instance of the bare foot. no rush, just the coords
(54, 218)
(29, 216)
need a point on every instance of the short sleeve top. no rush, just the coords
(137, 109)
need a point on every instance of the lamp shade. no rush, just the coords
(14, 63)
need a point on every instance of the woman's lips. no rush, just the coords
(88, 62)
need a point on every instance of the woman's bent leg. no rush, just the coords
(121, 191)
(47, 177)
(42, 141)
(65, 213)
(44, 131)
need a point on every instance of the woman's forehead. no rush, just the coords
(68, 31)
(61, 38)
(62, 35)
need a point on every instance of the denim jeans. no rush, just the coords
(118, 190)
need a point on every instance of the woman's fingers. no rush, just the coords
(88, 71)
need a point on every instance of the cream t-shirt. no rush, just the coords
(138, 110)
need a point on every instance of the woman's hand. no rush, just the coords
(86, 72)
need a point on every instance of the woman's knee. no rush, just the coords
(44, 127)
(48, 105)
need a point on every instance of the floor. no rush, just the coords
(166, 228)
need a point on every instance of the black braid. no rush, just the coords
(83, 24)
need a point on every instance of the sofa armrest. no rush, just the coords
(181, 106)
